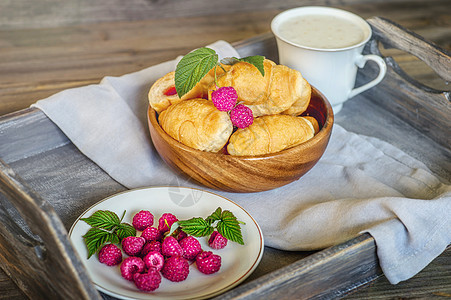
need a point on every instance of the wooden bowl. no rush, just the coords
(247, 173)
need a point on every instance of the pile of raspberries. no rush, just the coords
(152, 254)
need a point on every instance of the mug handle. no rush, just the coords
(360, 62)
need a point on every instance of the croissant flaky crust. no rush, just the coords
(198, 124)
(281, 90)
(270, 134)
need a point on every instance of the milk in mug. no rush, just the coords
(321, 31)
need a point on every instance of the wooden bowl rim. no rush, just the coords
(322, 134)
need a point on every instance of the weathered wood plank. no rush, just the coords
(348, 266)
(34, 247)
(53, 13)
(38, 62)
(424, 108)
(432, 283)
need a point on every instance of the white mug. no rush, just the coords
(332, 70)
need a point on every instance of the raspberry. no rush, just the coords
(147, 282)
(151, 234)
(224, 98)
(175, 268)
(165, 222)
(191, 247)
(241, 116)
(217, 241)
(130, 266)
(132, 245)
(110, 255)
(142, 220)
(171, 247)
(154, 260)
(208, 263)
(151, 246)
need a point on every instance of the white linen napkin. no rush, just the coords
(361, 184)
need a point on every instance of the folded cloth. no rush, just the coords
(361, 184)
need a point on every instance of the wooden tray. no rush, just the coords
(45, 183)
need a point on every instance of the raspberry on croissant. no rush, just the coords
(281, 90)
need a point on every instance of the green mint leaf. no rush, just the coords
(196, 227)
(124, 230)
(104, 219)
(256, 60)
(215, 216)
(95, 238)
(192, 68)
(230, 228)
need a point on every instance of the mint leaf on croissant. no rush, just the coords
(192, 68)
(196, 64)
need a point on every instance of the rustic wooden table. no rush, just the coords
(49, 46)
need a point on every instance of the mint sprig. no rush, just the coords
(192, 68)
(106, 227)
(223, 221)
(196, 64)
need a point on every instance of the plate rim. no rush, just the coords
(204, 296)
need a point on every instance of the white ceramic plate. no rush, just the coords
(238, 261)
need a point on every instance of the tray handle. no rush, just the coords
(392, 35)
(35, 250)
(424, 108)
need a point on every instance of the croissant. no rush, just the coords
(281, 90)
(162, 93)
(269, 134)
(198, 124)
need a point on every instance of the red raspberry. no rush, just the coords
(130, 266)
(217, 241)
(165, 222)
(151, 246)
(171, 247)
(151, 234)
(191, 247)
(133, 245)
(241, 116)
(208, 263)
(149, 281)
(224, 98)
(142, 220)
(175, 268)
(154, 260)
(110, 255)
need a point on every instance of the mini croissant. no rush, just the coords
(162, 93)
(197, 123)
(281, 90)
(269, 134)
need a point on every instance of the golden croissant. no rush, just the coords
(269, 134)
(281, 90)
(198, 124)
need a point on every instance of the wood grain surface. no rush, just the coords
(48, 45)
